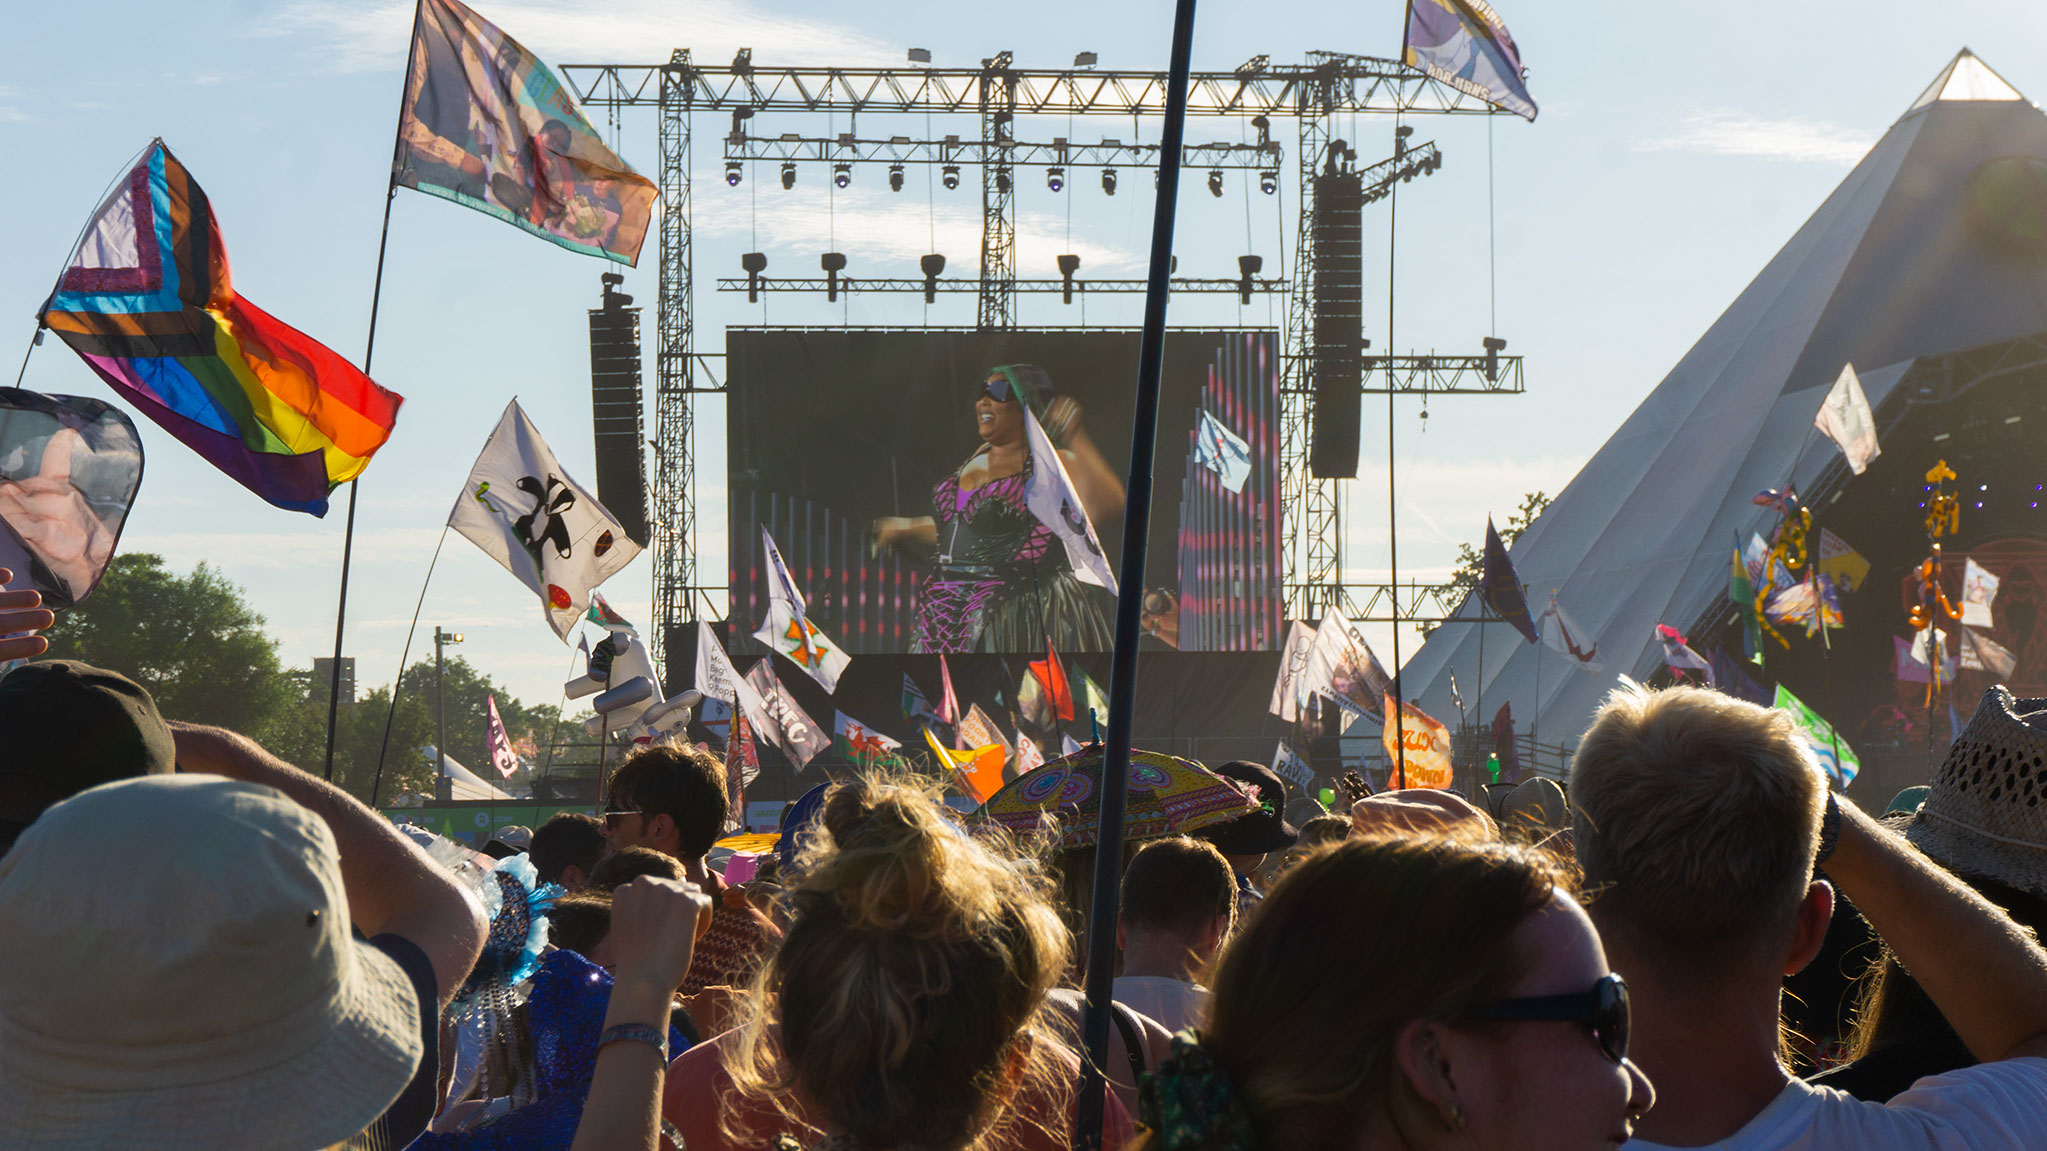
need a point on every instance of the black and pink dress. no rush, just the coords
(1001, 582)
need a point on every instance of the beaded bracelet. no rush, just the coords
(1830, 830)
(645, 1033)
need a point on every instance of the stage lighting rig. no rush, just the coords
(1493, 347)
(788, 174)
(1215, 182)
(950, 177)
(1068, 265)
(1108, 181)
(895, 177)
(1268, 181)
(733, 171)
(1055, 179)
(1002, 183)
(1247, 267)
(833, 263)
(753, 263)
(842, 175)
(931, 266)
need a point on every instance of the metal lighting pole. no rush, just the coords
(441, 640)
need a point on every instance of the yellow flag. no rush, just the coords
(1422, 747)
(977, 771)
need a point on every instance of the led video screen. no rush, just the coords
(894, 473)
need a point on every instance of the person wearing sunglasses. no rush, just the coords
(1000, 580)
(1420, 990)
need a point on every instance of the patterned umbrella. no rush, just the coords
(1168, 796)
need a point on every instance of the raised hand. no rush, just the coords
(22, 612)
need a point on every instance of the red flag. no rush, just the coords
(948, 704)
(1052, 678)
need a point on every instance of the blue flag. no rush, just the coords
(1501, 587)
(1464, 44)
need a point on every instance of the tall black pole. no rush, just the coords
(369, 351)
(1101, 939)
(1399, 717)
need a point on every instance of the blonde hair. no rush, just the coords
(1695, 818)
(910, 989)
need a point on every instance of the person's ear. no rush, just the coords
(573, 879)
(1809, 934)
(661, 828)
(1420, 1051)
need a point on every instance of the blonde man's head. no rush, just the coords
(1695, 818)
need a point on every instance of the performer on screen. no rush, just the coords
(1000, 580)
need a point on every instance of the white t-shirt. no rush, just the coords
(1175, 1003)
(1988, 1106)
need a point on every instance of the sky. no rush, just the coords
(1678, 146)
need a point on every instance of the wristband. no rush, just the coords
(1830, 830)
(645, 1033)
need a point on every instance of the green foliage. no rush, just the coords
(1471, 560)
(468, 718)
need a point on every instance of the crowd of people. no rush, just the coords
(203, 946)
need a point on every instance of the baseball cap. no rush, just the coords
(72, 726)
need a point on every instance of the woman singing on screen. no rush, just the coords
(1000, 580)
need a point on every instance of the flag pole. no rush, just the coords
(1101, 940)
(1392, 499)
(368, 352)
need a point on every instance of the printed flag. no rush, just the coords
(1846, 419)
(719, 680)
(1222, 451)
(915, 706)
(977, 730)
(1501, 588)
(1341, 666)
(69, 470)
(1503, 743)
(742, 765)
(786, 630)
(1050, 496)
(1836, 758)
(530, 515)
(1848, 566)
(1811, 602)
(1056, 692)
(1561, 633)
(1418, 748)
(500, 744)
(1909, 660)
(1289, 766)
(1288, 688)
(600, 613)
(148, 303)
(1979, 590)
(1464, 44)
(1981, 653)
(1925, 642)
(859, 743)
(1742, 594)
(948, 703)
(486, 124)
(976, 771)
(1679, 657)
(782, 721)
(1028, 757)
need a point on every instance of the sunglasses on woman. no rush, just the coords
(1604, 1009)
(997, 389)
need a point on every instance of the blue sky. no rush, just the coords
(1677, 148)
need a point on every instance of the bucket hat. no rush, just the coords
(177, 970)
(1256, 832)
(1985, 813)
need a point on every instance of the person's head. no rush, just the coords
(1696, 817)
(907, 1001)
(1419, 809)
(566, 847)
(1317, 832)
(1246, 840)
(580, 923)
(667, 796)
(1178, 894)
(177, 970)
(624, 866)
(1389, 991)
(70, 726)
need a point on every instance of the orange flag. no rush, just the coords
(1423, 749)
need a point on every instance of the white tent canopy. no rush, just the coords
(464, 784)
(1887, 271)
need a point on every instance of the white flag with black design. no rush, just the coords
(789, 632)
(1051, 498)
(525, 512)
(718, 679)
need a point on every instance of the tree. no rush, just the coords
(468, 715)
(191, 640)
(1471, 560)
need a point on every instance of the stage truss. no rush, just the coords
(1313, 94)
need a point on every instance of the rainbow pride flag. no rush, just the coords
(148, 304)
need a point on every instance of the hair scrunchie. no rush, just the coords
(1191, 1104)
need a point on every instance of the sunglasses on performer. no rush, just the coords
(998, 389)
(1604, 1009)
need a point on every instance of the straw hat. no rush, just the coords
(1985, 813)
(176, 970)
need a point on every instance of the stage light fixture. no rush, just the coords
(920, 55)
(754, 263)
(1002, 184)
(1268, 181)
(833, 263)
(950, 177)
(733, 171)
(895, 177)
(1108, 181)
(788, 174)
(1215, 182)
(842, 175)
(1055, 179)
(1247, 267)
(931, 265)
(1068, 265)
(1085, 60)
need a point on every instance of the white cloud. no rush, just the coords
(370, 36)
(1722, 132)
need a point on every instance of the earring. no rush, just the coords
(1454, 1120)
